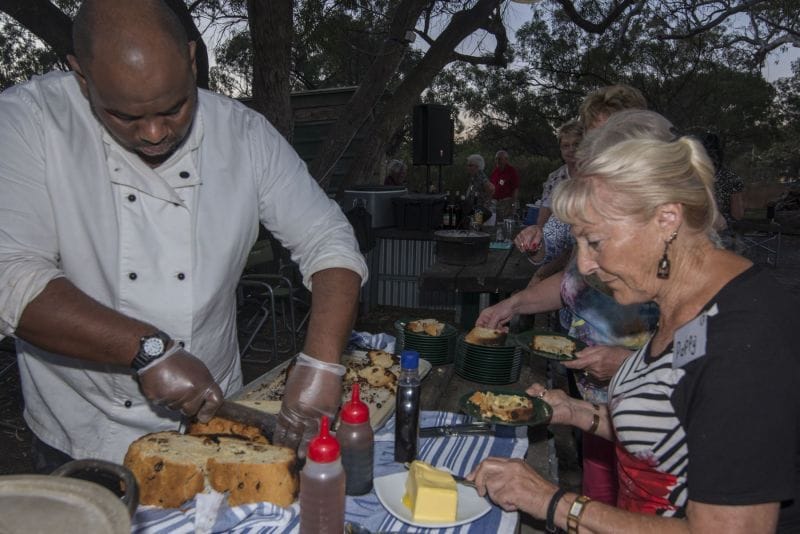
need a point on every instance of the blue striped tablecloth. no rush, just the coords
(459, 454)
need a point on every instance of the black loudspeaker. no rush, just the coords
(433, 135)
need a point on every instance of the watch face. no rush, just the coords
(153, 346)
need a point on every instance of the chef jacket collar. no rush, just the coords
(180, 170)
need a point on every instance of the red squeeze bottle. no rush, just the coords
(322, 485)
(358, 446)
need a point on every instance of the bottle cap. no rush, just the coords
(409, 359)
(354, 411)
(323, 448)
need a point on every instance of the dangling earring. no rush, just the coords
(663, 263)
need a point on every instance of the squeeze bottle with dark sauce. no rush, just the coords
(357, 441)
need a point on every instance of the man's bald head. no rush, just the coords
(124, 27)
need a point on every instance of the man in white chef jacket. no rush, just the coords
(130, 201)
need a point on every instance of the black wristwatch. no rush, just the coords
(151, 348)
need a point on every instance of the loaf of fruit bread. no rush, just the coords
(172, 468)
(486, 336)
(554, 344)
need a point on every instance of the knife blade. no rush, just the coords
(240, 413)
(453, 430)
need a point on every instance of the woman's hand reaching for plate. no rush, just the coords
(600, 361)
(497, 316)
(562, 404)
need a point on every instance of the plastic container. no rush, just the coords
(322, 483)
(358, 444)
(406, 424)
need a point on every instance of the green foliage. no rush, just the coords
(22, 55)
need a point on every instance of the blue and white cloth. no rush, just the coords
(458, 454)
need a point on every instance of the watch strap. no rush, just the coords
(575, 512)
(142, 358)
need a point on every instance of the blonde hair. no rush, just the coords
(609, 100)
(635, 176)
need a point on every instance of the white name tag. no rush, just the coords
(689, 342)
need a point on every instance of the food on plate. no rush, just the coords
(510, 408)
(431, 493)
(490, 337)
(381, 358)
(554, 344)
(432, 327)
(219, 426)
(172, 468)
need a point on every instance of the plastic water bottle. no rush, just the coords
(322, 483)
(358, 444)
(406, 430)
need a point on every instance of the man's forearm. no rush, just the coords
(64, 320)
(334, 303)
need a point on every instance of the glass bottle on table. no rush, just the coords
(406, 423)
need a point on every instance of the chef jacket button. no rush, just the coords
(132, 276)
(184, 174)
(181, 276)
(131, 198)
(128, 404)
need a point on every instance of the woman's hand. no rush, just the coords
(497, 316)
(529, 239)
(513, 485)
(562, 404)
(600, 361)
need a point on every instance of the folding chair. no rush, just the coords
(258, 295)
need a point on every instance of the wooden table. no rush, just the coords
(504, 272)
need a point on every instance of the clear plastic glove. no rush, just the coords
(182, 382)
(313, 389)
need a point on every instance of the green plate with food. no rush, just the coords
(549, 344)
(505, 407)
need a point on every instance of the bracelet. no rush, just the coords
(595, 420)
(575, 512)
(550, 526)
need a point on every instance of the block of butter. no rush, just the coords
(431, 493)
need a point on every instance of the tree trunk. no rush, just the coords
(362, 104)
(393, 110)
(271, 34)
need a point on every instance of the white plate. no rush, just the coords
(390, 490)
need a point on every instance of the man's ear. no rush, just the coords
(79, 75)
(192, 52)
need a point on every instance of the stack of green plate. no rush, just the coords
(488, 365)
(438, 350)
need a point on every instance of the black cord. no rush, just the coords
(550, 526)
